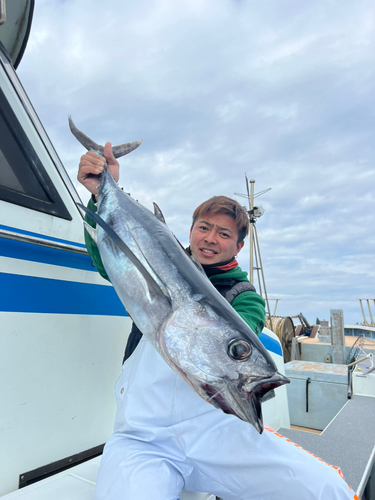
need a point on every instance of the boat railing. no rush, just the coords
(11, 235)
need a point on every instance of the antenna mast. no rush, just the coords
(254, 213)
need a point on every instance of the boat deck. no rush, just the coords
(349, 341)
(348, 441)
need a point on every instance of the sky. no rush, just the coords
(281, 91)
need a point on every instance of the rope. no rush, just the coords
(283, 327)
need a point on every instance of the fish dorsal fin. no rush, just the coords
(90, 145)
(194, 258)
(91, 231)
(158, 213)
(153, 287)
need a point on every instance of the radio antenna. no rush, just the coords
(254, 213)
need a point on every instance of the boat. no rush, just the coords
(63, 329)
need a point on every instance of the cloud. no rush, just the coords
(281, 91)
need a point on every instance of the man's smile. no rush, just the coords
(207, 251)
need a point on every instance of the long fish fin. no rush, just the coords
(90, 145)
(158, 213)
(91, 231)
(153, 287)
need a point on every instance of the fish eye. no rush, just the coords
(239, 349)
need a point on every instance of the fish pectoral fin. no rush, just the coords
(90, 145)
(153, 286)
(91, 231)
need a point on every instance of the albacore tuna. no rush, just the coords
(175, 306)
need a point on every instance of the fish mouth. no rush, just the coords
(246, 402)
(258, 395)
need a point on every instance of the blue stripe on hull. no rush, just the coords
(29, 294)
(270, 344)
(45, 255)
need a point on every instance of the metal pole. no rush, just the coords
(252, 182)
(363, 312)
(359, 360)
(369, 310)
(257, 268)
(261, 270)
(338, 337)
(276, 302)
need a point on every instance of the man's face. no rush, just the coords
(213, 238)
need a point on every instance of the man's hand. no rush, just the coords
(92, 165)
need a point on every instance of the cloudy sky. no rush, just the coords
(281, 90)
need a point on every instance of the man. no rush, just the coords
(166, 437)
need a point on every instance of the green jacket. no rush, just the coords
(249, 305)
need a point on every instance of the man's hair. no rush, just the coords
(227, 206)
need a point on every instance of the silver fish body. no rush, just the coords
(194, 329)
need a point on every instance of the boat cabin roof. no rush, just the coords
(15, 24)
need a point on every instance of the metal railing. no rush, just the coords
(10, 235)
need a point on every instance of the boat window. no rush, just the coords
(23, 179)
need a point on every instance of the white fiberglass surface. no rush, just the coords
(276, 410)
(77, 483)
(58, 376)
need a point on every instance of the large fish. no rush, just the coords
(175, 306)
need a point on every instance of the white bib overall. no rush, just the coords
(167, 438)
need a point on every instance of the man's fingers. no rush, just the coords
(96, 165)
(92, 159)
(90, 154)
(108, 154)
(88, 179)
(113, 164)
(86, 170)
(92, 165)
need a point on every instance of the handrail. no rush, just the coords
(10, 235)
(359, 360)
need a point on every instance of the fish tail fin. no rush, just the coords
(124, 149)
(90, 145)
(86, 142)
